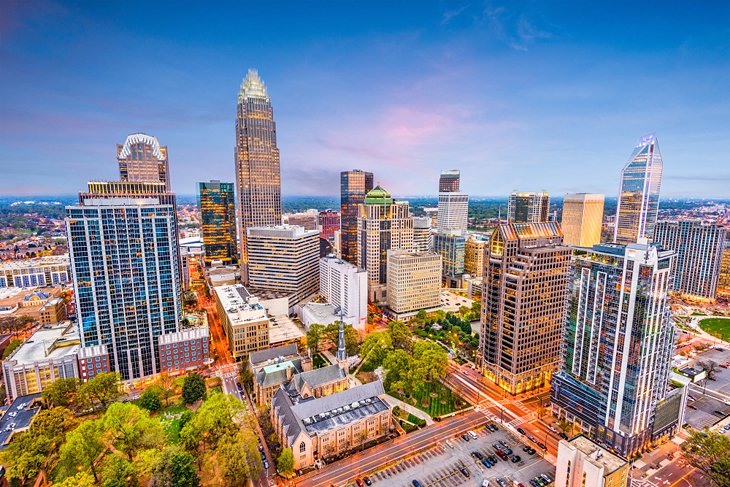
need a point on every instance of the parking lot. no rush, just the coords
(707, 406)
(441, 465)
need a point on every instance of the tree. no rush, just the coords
(398, 365)
(400, 335)
(166, 383)
(62, 392)
(118, 472)
(375, 348)
(12, 346)
(238, 457)
(566, 427)
(314, 337)
(82, 449)
(193, 388)
(102, 389)
(285, 463)
(81, 479)
(245, 374)
(709, 451)
(711, 367)
(431, 361)
(352, 340)
(173, 468)
(212, 421)
(150, 399)
(132, 428)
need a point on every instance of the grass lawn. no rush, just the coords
(719, 327)
(434, 398)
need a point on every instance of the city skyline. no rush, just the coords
(377, 113)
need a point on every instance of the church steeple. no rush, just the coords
(341, 348)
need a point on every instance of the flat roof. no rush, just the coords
(35, 262)
(239, 305)
(19, 417)
(198, 332)
(283, 329)
(597, 454)
(50, 342)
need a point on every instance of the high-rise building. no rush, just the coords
(422, 236)
(354, 185)
(142, 159)
(524, 299)
(582, 462)
(414, 281)
(528, 207)
(384, 224)
(126, 277)
(329, 223)
(699, 255)
(258, 175)
(453, 213)
(345, 286)
(309, 220)
(449, 181)
(218, 217)
(474, 249)
(582, 219)
(638, 201)
(618, 344)
(284, 258)
(723, 282)
(452, 250)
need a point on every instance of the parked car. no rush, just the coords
(416, 483)
(465, 437)
(477, 455)
(542, 445)
(487, 463)
(465, 472)
(563, 436)
(515, 458)
(360, 483)
(266, 463)
(367, 481)
(507, 451)
(521, 431)
(473, 435)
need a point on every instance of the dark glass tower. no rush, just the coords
(354, 185)
(218, 218)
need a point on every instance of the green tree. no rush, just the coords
(566, 427)
(238, 456)
(102, 389)
(398, 365)
(400, 335)
(82, 449)
(179, 468)
(375, 348)
(285, 463)
(430, 361)
(709, 451)
(81, 479)
(245, 374)
(193, 388)
(62, 392)
(132, 428)
(212, 421)
(12, 346)
(166, 382)
(352, 338)
(118, 472)
(150, 399)
(315, 334)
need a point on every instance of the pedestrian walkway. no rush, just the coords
(393, 402)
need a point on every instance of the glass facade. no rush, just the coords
(638, 202)
(528, 207)
(451, 248)
(354, 185)
(216, 202)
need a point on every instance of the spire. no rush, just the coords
(341, 349)
(253, 87)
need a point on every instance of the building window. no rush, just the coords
(302, 447)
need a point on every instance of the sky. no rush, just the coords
(518, 95)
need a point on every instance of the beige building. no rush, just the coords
(384, 224)
(582, 219)
(244, 320)
(273, 367)
(474, 249)
(330, 425)
(582, 462)
(524, 303)
(414, 281)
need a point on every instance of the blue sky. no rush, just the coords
(518, 95)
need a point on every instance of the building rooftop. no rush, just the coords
(240, 306)
(282, 329)
(262, 356)
(19, 415)
(321, 376)
(323, 313)
(596, 454)
(281, 231)
(378, 196)
(10, 265)
(188, 334)
(48, 343)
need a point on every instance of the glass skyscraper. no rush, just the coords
(218, 218)
(638, 202)
(258, 175)
(354, 185)
(617, 345)
(528, 207)
(142, 159)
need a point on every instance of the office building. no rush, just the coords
(452, 249)
(185, 350)
(126, 277)
(244, 320)
(346, 287)
(638, 201)
(528, 207)
(329, 223)
(38, 272)
(582, 219)
(618, 344)
(142, 159)
(723, 282)
(216, 202)
(331, 425)
(384, 224)
(422, 235)
(130, 189)
(449, 181)
(414, 281)
(453, 212)
(286, 259)
(474, 250)
(258, 176)
(308, 220)
(699, 255)
(354, 185)
(582, 462)
(524, 300)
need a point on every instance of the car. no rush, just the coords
(261, 447)
(416, 483)
(13, 414)
(531, 451)
(547, 478)
(465, 372)
(531, 438)
(472, 434)
(534, 483)
(367, 481)
(487, 463)
(503, 443)
(521, 431)
(266, 463)
(492, 427)
(465, 437)
(360, 483)
(449, 444)
(553, 429)
(563, 436)
(501, 482)
(515, 458)
(492, 459)
(477, 455)
(540, 481)
(541, 445)
(465, 472)
(724, 365)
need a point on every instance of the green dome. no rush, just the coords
(378, 196)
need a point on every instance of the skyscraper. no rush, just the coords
(618, 344)
(142, 159)
(638, 201)
(126, 277)
(414, 281)
(528, 207)
(582, 219)
(452, 250)
(450, 239)
(218, 217)
(384, 224)
(346, 286)
(524, 298)
(329, 223)
(699, 255)
(258, 176)
(422, 237)
(449, 181)
(354, 185)
(474, 249)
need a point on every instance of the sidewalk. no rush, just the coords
(393, 402)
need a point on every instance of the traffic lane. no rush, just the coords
(370, 460)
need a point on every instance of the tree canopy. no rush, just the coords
(193, 388)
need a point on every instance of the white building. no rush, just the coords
(414, 281)
(346, 286)
(422, 234)
(38, 272)
(453, 213)
(581, 463)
